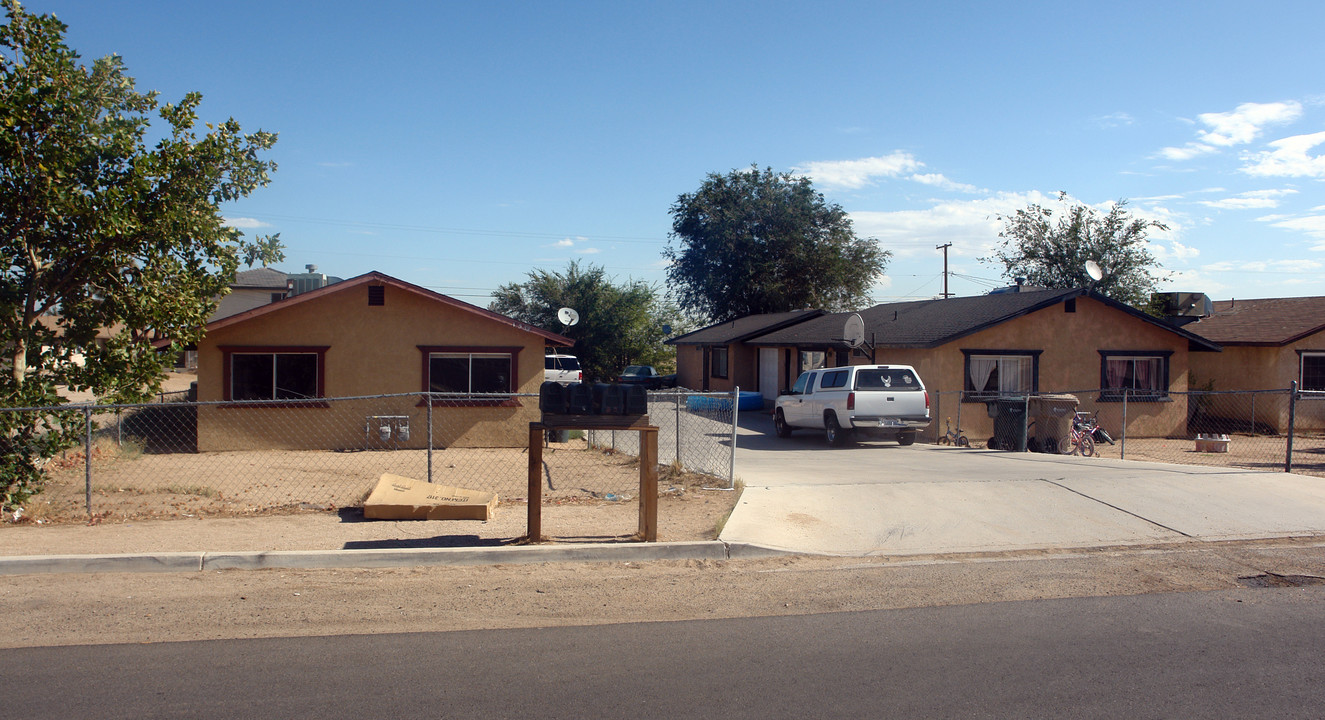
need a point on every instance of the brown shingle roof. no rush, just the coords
(1267, 321)
(725, 333)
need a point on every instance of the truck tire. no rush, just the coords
(780, 425)
(834, 432)
(906, 438)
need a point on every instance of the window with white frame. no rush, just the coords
(991, 374)
(1312, 373)
(1138, 375)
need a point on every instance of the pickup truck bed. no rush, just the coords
(880, 401)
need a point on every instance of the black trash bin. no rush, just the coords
(1009, 414)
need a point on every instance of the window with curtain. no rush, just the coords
(1140, 376)
(989, 375)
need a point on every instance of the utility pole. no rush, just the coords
(944, 247)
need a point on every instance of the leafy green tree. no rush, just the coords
(100, 231)
(755, 241)
(619, 325)
(1049, 250)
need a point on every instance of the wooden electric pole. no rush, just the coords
(944, 247)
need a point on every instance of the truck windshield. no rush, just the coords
(886, 379)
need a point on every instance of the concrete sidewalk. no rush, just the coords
(316, 540)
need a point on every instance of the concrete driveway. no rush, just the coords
(881, 498)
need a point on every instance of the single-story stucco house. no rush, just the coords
(367, 336)
(971, 349)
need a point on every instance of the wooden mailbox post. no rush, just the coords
(648, 465)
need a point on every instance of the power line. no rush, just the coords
(463, 231)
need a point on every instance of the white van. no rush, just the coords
(564, 369)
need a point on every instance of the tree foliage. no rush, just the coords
(755, 241)
(1049, 250)
(99, 230)
(619, 325)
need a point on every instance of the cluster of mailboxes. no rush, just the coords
(592, 399)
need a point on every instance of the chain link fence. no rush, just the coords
(180, 458)
(1276, 430)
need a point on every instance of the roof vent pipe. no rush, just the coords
(311, 268)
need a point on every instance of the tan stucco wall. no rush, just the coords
(1243, 367)
(371, 351)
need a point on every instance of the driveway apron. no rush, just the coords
(881, 498)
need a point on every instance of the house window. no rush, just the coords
(993, 373)
(718, 362)
(469, 372)
(1313, 372)
(273, 373)
(1137, 375)
(811, 360)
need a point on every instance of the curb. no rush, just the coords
(410, 557)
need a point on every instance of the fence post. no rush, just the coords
(1292, 420)
(731, 462)
(427, 399)
(1253, 413)
(87, 458)
(677, 457)
(1122, 441)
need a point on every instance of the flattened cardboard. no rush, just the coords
(400, 498)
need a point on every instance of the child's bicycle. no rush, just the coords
(953, 437)
(1079, 440)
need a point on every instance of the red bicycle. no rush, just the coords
(1078, 441)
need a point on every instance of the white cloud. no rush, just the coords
(1178, 251)
(939, 181)
(1239, 127)
(1288, 158)
(854, 174)
(971, 226)
(1186, 152)
(245, 223)
(1312, 225)
(1112, 120)
(1246, 122)
(564, 242)
(1254, 199)
(588, 251)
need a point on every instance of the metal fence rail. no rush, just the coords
(187, 458)
(1281, 429)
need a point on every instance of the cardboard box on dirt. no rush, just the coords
(400, 498)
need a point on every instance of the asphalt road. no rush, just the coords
(1214, 654)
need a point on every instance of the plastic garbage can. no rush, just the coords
(1009, 414)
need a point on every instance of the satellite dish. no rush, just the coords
(1094, 270)
(854, 331)
(568, 316)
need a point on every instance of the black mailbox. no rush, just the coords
(608, 399)
(553, 398)
(579, 399)
(635, 399)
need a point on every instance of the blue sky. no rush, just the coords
(459, 145)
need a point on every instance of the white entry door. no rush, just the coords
(768, 374)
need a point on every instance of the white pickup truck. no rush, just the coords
(882, 401)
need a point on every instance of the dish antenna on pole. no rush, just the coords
(1094, 270)
(853, 334)
(567, 316)
(854, 331)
